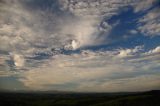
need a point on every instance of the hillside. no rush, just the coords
(151, 98)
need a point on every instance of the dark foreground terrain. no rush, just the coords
(151, 98)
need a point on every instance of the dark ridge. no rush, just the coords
(56, 98)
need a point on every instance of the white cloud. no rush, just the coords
(133, 31)
(83, 31)
(125, 53)
(129, 52)
(94, 8)
(19, 60)
(154, 51)
(142, 5)
(150, 23)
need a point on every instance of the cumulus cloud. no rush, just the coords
(154, 51)
(129, 52)
(18, 60)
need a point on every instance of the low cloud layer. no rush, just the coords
(90, 71)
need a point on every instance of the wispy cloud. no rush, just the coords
(149, 23)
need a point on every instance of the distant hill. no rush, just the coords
(55, 98)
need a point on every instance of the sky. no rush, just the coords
(80, 45)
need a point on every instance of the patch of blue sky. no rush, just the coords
(121, 35)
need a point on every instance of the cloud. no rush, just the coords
(130, 52)
(94, 8)
(123, 85)
(45, 28)
(149, 24)
(27, 32)
(50, 39)
(90, 70)
(133, 31)
(143, 5)
(19, 60)
(83, 31)
(154, 51)
(6, 73)
(147, 56)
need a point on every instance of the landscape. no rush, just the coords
(150, 98)
(79, 52)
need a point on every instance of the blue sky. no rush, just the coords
(80, 45)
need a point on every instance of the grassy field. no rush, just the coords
(151, 98)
